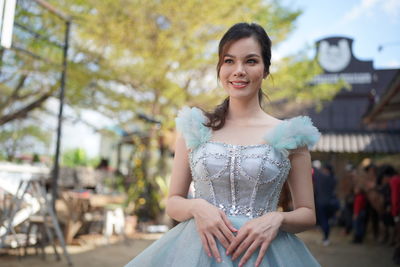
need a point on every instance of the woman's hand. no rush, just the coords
(255, 233)
(212, 223)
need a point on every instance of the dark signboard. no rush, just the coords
(335, 56)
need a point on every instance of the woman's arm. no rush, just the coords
(300, 183)
(178, 206)
(211, 222)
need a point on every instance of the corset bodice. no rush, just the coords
(240, 180)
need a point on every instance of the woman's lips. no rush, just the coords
(239, 84)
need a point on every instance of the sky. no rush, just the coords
(371, 23)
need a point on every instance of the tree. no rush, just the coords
(147, 56)
(19, 136)
(30, 72)
(153, 56)
(132, 57)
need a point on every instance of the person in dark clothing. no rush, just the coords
(372, 207)
(359, 215)
(346, 189)
(386, 172)
(326, 202)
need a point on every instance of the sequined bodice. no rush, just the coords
(240, 180)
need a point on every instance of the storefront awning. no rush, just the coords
(359, 143)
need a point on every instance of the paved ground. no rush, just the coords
(341, 253)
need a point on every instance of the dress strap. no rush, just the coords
(190, 122)
(293, 133)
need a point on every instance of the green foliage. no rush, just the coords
(30, 72)
(19, 136)
(74, 157)
(77, 157)
(154, 56)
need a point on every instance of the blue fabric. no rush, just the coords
(292, 133)
(190, 122)
(181, 247)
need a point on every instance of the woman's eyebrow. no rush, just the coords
(249, 55)
(253, 55)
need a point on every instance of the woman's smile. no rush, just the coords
(239, 84)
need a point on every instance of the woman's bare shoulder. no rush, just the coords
(270, 121)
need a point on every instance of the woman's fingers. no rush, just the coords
(263, 250)
(227, 233)
(221, 237)
(228, 222)
(205, 244)
(252, 248)
(242, 247)
(213, 247)
(236, 242)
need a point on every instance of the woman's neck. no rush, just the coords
(240, 110)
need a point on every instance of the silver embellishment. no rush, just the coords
(221, 177)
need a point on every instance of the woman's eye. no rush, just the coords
(228, 61)
(252, 61)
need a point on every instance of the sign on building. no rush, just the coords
(335, 56)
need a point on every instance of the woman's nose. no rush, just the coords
(239, 70)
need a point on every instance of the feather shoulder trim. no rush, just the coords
(190, 122)
(292, 133)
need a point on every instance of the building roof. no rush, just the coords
(388, 106)
(359, 143)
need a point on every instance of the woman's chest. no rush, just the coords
(239, 135)
(217, 161)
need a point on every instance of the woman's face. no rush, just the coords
(242, 70)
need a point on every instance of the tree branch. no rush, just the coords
(22, 112)
(14, 94)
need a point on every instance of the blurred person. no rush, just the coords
(373, 208)
(395, 210)
(346, 188)
(326, 203)
(238, 157)
(385, 173)
(359, 214)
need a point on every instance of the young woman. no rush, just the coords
(238, 158)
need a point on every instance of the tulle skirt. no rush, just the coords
(182, 247)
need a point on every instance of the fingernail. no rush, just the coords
(219, 260)
(209, 255)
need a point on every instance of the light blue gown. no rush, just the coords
(243, 181)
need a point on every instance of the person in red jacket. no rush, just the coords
(359, 214)
(395, 210)
(395, 196)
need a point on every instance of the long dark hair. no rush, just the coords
(216, 119)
